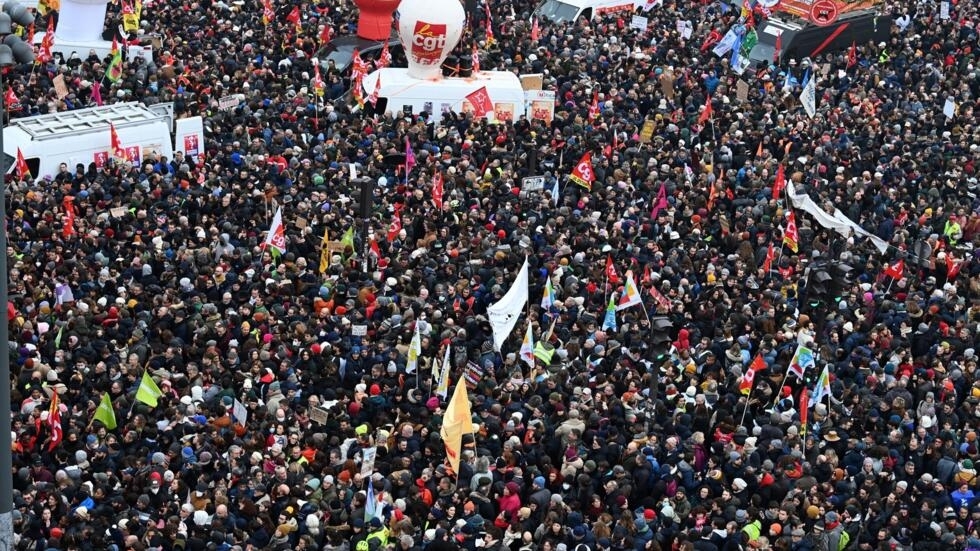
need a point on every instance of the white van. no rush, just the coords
(400, 92)
(561, 11)
(82, 136)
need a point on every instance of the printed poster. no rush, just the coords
(191, 145)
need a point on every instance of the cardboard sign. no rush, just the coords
(118, 212)
(532, 183)
(60, 88)
(319, 416)
(667, 84)
(742, 90)
(358, 330)
(532, 82)
(944, 11)
(639, 23)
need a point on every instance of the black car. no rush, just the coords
(341, 52)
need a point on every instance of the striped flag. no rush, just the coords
(822, 388)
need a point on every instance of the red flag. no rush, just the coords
(852, 55)
(10, 98)
(952, 267)
(583, 174)
(396, 223)
(489, 27)
(594, 111)
(791, 237)
(437, 190)
(713, 37)
(611, 274)
(54, 422)
(658, 297)
(535, 30)
(779, 47)
(804, 410)
(660, 203)
(68, 228)
(293, 16)
(646, 275)
(780, 184)
(481, 102)
(44, 54)
(758, 151)
(712, 196)
(23, 172)
(748, 379)
(325, 34)
(320, 87)
(375, 94)
(374, 248)
(896, 270)
(30, 35)
(359, 67)
(268, 13)
(770, 256)
(384, 60)
(708, 111)
(115, 146)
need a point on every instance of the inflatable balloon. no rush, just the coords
(374, 21)
(429, 30)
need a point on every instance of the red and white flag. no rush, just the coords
(276, 238)
(594, 111)
(115, 144)
(582, 174)
(437, 190)
(23, 171)
(770, 256)
(953, 266)
(896, 270)
(68, 227)
(481, 102)
(396, 223)
(376, 93)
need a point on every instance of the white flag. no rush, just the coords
(504, 313)
(527, 347)
(414, 349)
(726, 43)
(949, 108)
(555, 193)
(442, 388)
(808, 97)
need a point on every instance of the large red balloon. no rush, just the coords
(375, 20)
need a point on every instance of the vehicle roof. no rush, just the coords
(55, 125)
(395, 81)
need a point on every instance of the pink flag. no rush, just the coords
(97, 93)
(409, 158)
(660, 203)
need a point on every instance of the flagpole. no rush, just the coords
(779, 388)
(748, 400)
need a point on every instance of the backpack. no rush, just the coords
(845, 538)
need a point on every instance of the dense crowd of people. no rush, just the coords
(290, 415)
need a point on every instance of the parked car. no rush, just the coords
(340, 51)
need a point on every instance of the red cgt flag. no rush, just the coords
(780, 184)
(582, 174)
(115, 145)
(770, 256)
(708, 111)
(896, 270)
(952, 267)
(611, 274)
(481, 102)
(23, 172)
(438, 190)
(594, 111)
(852, 55)
(68, 228)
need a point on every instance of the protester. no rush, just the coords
(272, 401)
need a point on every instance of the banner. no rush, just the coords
(503, 314)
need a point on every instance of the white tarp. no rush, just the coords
(837, 221)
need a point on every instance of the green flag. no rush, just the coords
(105, 414)
(148, 392)
(348, 239)
(57, 339)
(115, 69)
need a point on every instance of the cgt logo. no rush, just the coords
(428, 41)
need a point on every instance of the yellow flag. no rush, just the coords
(324, 253)
(457, 421)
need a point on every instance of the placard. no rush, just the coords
(685, 29)
(944, 11)
(133, 154)
(368, 457)
(240, 413)
(667, 84)
(949, 108)
(358, 330)
(540, 105)
(228, 103)
(532, 82)
(646, 132)
(60, 88)
(191, 145)
(639, 23)
(742, 90)
(118, 212)
(532, 183)
(503, 112)
(319, 415)
(100, 158)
